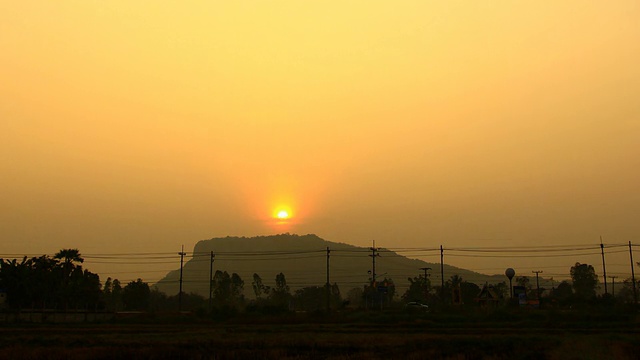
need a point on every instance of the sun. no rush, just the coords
(282, 214)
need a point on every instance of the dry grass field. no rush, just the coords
(421, 338)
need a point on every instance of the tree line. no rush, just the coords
(49, 282)
(60, 282)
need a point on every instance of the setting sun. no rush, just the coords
(282, 213)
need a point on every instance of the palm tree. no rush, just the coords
(69, 255)
(455, 281)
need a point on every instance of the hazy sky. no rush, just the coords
(130, 126)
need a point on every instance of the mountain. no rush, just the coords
(303, 261)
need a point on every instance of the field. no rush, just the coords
(372, 336)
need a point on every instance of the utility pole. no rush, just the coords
(442, 273)
(213, 256)
(374, 255)
(537, 282)
(328, 283)
(425, 269)
(182, 254)
(374, 289)
(426, 276)
(633, 276)
(613, 285)
(604, 267)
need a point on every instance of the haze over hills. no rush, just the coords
(302, 259)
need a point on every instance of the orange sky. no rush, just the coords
(131, 126)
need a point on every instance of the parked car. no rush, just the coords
(416, 306)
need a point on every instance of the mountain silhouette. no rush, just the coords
(302, 259)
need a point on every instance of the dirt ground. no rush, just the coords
(311, 341)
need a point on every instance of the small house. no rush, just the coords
(487, 296)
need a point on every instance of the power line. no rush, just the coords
(159, 258)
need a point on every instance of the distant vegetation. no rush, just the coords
(44, 282)
(60, 282)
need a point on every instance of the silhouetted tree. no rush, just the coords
(14, 278)
(159, 301)
(469, 292)
(221, 287)
(112, 294)
(227, 289)
(237, 287)
(355, 297)
(563, 293)
(68, 257)
(310, 298)
(625, 294)
(314, 298)
(281, 284)
(584, 280)
(116, 295)
(335, 297)
(449, 290)
(418, 289)
(136, 295)
(83, 288)
(455, 280)
(46, 282)
(280, 294)
(501, 289)
(106, 289)
(259, 289)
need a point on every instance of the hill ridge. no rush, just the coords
(302, 259)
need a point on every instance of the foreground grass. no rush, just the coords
(374, 336)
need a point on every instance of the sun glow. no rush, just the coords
(282, 213)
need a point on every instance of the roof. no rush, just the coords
(487, 294)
